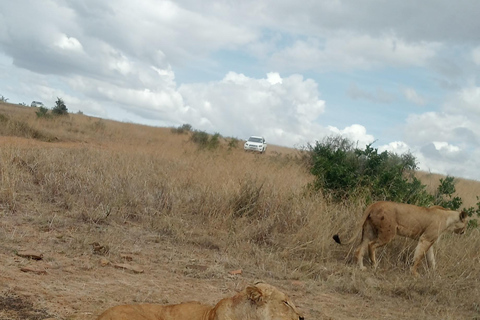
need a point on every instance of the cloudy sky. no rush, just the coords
(400, 73)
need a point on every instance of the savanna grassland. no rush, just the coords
(124, 213)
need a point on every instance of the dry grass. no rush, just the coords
(188, 217)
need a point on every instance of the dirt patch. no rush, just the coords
(15, 307)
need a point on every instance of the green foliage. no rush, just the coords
(345, 171)
(233, 143)
(60, 108)
(444, 195)
(214, 141)
(185, 128)
(42, 112)
(3, 99)
(204, 140)
(200, 138)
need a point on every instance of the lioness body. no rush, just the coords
(258, 302)
(383, 220)
(146, 311)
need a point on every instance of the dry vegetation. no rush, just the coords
(187, 217)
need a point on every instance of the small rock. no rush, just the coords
(104, 262)
(30, 254)
(235, 272)
(134, 269)
(33, 270)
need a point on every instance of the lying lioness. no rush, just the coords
(383, 220)
(257, 302)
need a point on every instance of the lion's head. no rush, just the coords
(461, 225)
(272, 303)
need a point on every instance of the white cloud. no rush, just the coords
(414, 97)
(356, 133)
(69, 43)
(284, 110)
(274, 78)
(445, 146)
(397, 147)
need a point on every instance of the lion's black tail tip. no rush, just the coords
(337, 239)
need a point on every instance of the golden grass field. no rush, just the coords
(125, 213)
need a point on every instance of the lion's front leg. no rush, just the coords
(422, 248)
(431, 258)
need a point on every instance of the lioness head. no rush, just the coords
(461, 225)
(272, 304)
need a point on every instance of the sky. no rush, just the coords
(401, 74)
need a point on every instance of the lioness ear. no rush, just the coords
(463, 216)
(255, 295)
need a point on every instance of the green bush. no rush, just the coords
(233, 143)
(42, 112)
(204, 140)
(60, 108)
(345, 171)
(185, 128)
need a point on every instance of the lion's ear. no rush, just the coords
(255, 294)
(463, 216)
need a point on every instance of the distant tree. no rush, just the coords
(60, 107)
(3, 99)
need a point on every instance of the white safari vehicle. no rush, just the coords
(255, 143)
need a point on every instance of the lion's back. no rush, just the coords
(183, 311)
(409, 220)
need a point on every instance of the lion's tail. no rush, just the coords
(359, 227)
(336, 237)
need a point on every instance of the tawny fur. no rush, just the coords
(383, 220)
(257, 302)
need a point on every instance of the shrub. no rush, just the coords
(214, 141)
(200, 138)
(204, 140)
(42, 112)
(233, 143)
(60, 107)
(185, 128)
(345, 171)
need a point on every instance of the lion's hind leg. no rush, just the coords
(360, 252)
(372, 247)
(368, 235)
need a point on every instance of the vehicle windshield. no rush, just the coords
(255, 139)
